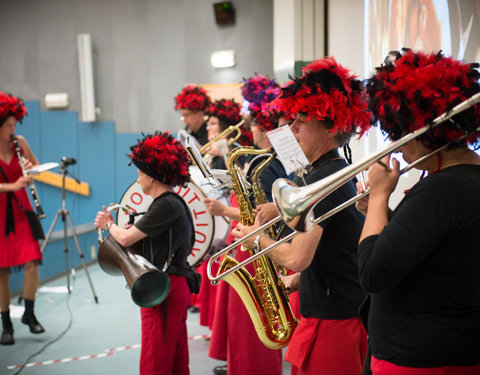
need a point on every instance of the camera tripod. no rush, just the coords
(65, 215)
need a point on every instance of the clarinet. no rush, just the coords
(31, 185)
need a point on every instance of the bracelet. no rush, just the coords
(107, 227)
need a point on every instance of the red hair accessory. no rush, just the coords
(327, 90)
(162, 157)
(246, 137)
(267, 118)
(11, 106)
(413, 88)
(226, 110)
(192, 97)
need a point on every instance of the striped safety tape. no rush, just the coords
(108, 352)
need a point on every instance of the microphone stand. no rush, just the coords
(65, 215)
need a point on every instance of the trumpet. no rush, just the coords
(296, 204)
(233, 128)
(31, 185)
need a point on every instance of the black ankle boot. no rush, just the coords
(7, 334)
(30, 319)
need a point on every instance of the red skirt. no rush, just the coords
(207, 295)
(19, 247)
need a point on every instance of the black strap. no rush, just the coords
(172, 269)
(9, 218)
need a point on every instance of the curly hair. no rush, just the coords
(162, 157)
(410, 89)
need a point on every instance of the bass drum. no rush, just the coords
(210, 231)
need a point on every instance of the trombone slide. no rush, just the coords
(287, 196)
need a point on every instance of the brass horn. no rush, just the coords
(148, 285)
(232, 128)
(296, 204)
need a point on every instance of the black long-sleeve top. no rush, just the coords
(423, 271)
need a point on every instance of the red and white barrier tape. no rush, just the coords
(108, 352)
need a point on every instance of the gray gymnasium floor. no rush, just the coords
(90, 338)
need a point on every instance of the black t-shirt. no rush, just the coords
(423, 271)
(167, 214)
(330, 287)
(201, 135)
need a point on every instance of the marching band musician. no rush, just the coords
(421, 262)
(233, 334)
(222, 114)
(162, 163)
(192, 102)
(326, 102)
(18, 246)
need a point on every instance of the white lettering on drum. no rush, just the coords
(206, 226)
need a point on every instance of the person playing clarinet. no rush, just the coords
(18, 247)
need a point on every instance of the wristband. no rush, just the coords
(107, 227)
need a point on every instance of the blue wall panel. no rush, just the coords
(125, 175)
(59, 138)
(101, 162)
(96, 163)
(30, 127)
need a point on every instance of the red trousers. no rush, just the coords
(380, 367)
(328, 347)
(165, 352)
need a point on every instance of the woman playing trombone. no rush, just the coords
(18, 247)
(421, 263)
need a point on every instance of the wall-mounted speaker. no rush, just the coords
(224, 13)
(85, 68)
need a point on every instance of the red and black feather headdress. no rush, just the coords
(192, 97)
(327, 91)
(412, 88)
(162, 157)
(11, 106)
(226, 110)
(259, 91)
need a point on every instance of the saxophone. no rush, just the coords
(264, 293)
(258, 192)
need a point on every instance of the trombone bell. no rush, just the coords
(293, 205)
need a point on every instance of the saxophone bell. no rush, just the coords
(263, 293)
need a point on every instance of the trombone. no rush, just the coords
(296, 204)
